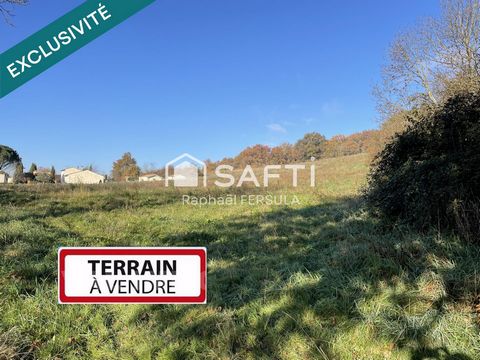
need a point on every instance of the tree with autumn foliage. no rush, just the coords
(369, 141)
(284, 154)
(254, 155)
(125, 168)
(311, 145)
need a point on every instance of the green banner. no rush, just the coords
(61, 38)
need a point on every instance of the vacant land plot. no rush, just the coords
(316, 280)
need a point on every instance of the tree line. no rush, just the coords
(312, 146)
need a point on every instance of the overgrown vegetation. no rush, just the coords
(430, 174)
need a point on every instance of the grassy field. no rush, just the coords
(318, 280)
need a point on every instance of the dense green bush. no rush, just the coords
(430, 173)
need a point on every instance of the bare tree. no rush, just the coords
(430, 62)
(6, 8)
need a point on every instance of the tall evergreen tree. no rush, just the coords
(33, 168)
(18, 175)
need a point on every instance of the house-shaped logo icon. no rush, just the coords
(185, 171)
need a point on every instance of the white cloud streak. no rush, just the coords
(276, 128)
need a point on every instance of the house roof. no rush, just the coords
(84, 171)
(69, 171)
(149, 175)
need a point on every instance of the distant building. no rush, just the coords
(43, 175)
(77, 176)
(176, 177)
(150, 177)
(66, 172)
(4, 177)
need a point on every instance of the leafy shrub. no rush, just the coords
(432, 169)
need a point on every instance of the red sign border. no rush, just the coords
(64, 299)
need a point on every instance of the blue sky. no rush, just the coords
(206, 77)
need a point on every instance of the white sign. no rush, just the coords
(132, 275)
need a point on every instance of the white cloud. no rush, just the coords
(332, 107)
(277, 128)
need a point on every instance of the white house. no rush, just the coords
(4, 177)
(150, 177)
(66, 172)
(76, 176)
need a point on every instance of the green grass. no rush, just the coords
(321, 280)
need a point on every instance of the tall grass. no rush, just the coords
(317, 280)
